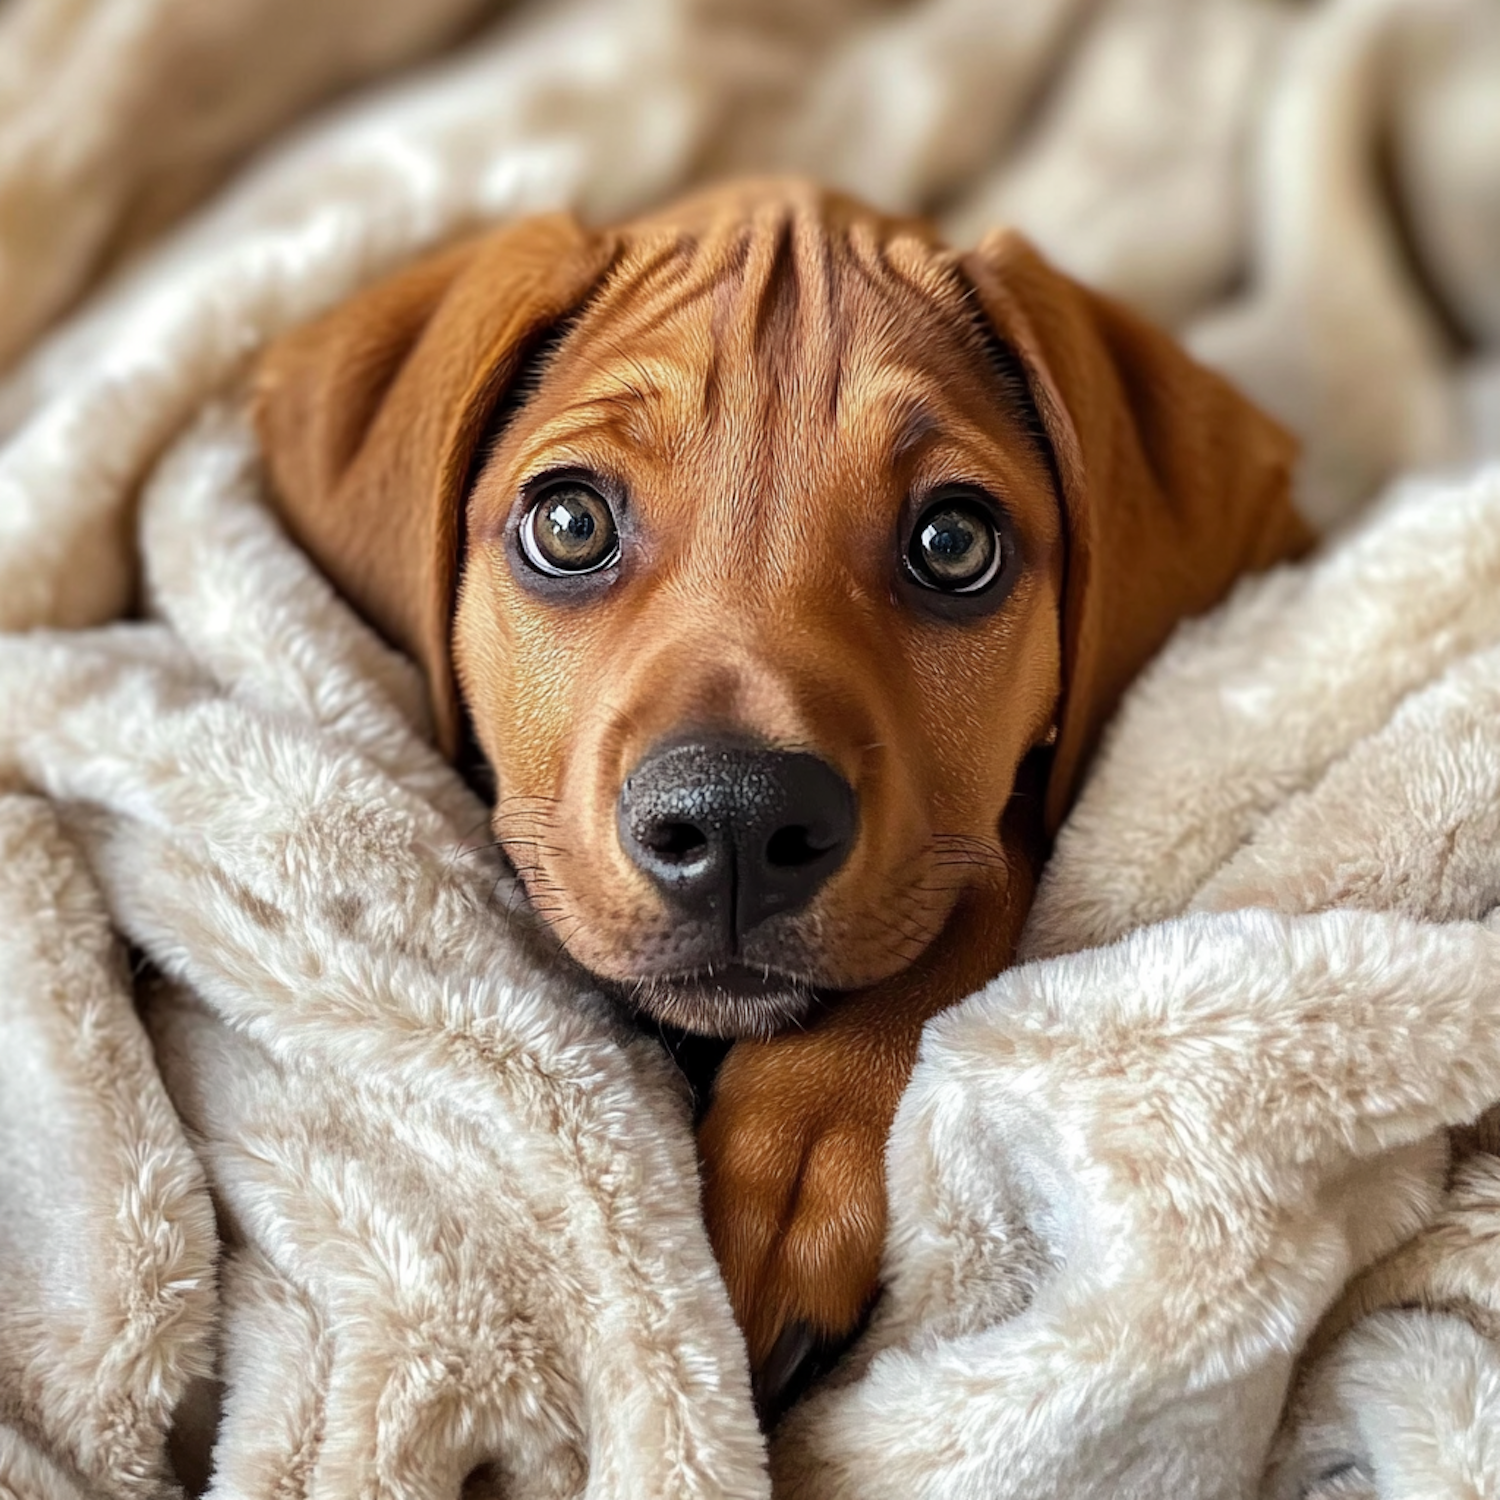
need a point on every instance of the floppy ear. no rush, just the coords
(370, 418)
(1172, 483)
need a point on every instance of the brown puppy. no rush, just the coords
(786, 564)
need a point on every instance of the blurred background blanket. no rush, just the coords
(374, 1201)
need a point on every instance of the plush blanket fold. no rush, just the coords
(458, 1206)
(322, 1175)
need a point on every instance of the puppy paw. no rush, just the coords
(793, 1150)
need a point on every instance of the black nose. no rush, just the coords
(733, 832)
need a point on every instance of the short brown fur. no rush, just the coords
(771, 371)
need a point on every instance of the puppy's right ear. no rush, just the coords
(1172, 483)
(370, 418)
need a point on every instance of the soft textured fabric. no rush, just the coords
(114, 118)
(458, 1206)
(368, 1192)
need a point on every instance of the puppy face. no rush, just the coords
(772, 570)
(775, 516)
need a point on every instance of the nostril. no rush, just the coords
(679, 842)
(791, 847)
(732, 834)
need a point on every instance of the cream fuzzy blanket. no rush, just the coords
(355, 1192)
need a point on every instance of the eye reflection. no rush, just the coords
(955, 547)
(569, 529)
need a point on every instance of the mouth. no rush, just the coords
(725, 1000)
(728, 999)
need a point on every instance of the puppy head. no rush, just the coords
(765, 540)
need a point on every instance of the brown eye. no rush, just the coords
(955, 547)
(569, 529)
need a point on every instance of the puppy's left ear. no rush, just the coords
(1172, 483)
(370, 418)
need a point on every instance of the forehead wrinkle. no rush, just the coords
(621, 423)
(738, 403)
(779, 329)
(785, 347)
(612, 410)
(653, 387)
(652, 270)
(651, 302)
(952, 335)
(931, 274)
(638, 299)
(822, 317)
(911, 421)
(561, 442)
(769, 281)
(936, 276)
(869, 265)
(683, 294)
(905, 269)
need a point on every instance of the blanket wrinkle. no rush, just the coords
(1236, 1243)
(253, 68)
(381, 1017)
(362, 1189)
(1361, 1433)
(1300, 683)
(99, 1332)
(1336, 277)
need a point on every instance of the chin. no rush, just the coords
(729, 1000)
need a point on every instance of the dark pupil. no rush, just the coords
(956, 546)
(574, 529)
